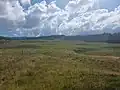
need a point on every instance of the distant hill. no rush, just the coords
(4, 38)
(105, 37)
(52, 37)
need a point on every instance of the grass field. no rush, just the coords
(59, 65)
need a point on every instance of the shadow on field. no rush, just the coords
(83, 50)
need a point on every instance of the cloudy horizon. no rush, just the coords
(60, 17)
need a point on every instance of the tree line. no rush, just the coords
(105, 37)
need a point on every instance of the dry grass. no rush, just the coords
(55, 65)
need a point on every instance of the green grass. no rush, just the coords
(59, 65)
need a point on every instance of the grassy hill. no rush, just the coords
(59, 65)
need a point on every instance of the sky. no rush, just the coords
(35, 18)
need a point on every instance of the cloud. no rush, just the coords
(77, 17)
(25, 1)
(11, 15)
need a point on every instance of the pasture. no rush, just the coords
(59, 65)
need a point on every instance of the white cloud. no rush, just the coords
(11, 15)
(78, 17)
(25, 1)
